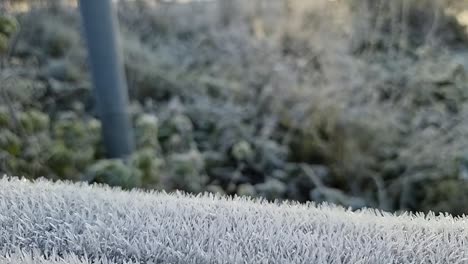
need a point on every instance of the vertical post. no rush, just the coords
(227, 11)
(110, 90)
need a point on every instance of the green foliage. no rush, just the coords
(74, 132)
(146, 127)
(10, 143)
(8, 25)
(5, 117)
(115, 173)
(302, 104)
(446, 195)
(63, 70)
(242, 151)
(176, 133)
(3, 44)
(150, 165)
(57, 39)
(215, 189)
(271, 189)
(186, 171)
(61, 161)
(246, 189)
(34, 121)
(24, 90)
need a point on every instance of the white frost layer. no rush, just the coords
(81, 222)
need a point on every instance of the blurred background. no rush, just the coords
(362, 103)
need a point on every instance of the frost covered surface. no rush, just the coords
(81, 222)
(37, 258)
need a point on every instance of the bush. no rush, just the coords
(365, 91)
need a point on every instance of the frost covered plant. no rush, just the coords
(10, 142)
(150, 164)
(242, 151)
(271, 189)
(5, 117)
(177, 133)
(246, 189)
(3, 44)
(58, 223)
(22, 90)
(186, 171)
(76, 132)
(146, 127)
(374, 91)
(34, 121)
(61, 161)
(115, 173)
(8, 26)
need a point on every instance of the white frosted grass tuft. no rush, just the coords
(52, 223)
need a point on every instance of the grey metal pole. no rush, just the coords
(110, 89)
